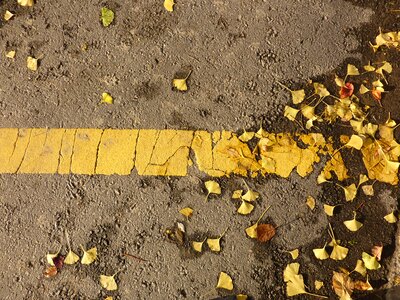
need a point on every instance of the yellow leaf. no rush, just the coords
(295, 286)
(50, 256)
(350, 192)
(352, 70)
(329, 209)
(250, 195)
(290, 113)
(390, 218)
(356, 142)
(320, 90)
(369, 67)
(245, 208)
(212, 187)
(10, 54)
(261, 133)
(338, 252)
(370, 262)
(308, 112)
(187, 212)
(321, 253)
(225, 282)
(89, 256)
(32, 63)
(246, 136)
(321, 178)
(363, 179)
(71, 258)
(360, 268)
(109, 298)
(290, 271)
(318, 284)
(169, 5)
(237, 194)
(298, 96)
(180, 84)
(108, 282)
(368, 190)
(353, 224)
(106, 98)
(387, 67)
(197, 246)
(252, 231)
(107, 16)
(363, 89)
(294, 253)
(25, 2)
(241, 297)
(342, 285)
(339, 81)
(214, 244)
(8, 15)
(310, 202)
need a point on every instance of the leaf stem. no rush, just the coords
(262, 215)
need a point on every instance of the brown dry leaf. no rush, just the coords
(346, 90)
(342, 285)
(108, 282)
(363, 286)
(50, 272)
(225, 282)
(310, 202)
(377, 251)
(265, 232)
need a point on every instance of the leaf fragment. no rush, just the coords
(25, 2)
(10, 54)
(225, 282)
(294, 253)
(8, 15)
(310, 202)
(107, 98)
(370, 262)
(318, 284)
(89, 256)
(71, 258)
(377, 251)
(50, 271)
(186, 211)
(108, 282)
(107, 16)
(360, 268)
(390, 218)
(32, 63)
(169, 5)
(290, 113)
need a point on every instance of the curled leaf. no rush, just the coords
(294, 253)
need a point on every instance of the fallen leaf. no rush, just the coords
(108, 282)
(32, 63)
(10, 54)
(318, 284)
(390, 218)
(362, 286)
(360, 268)
(342, 285)
(369, 67)
(353, 224)
(212, 188)
(198, 246)
(225, 282)
(296, 286)
(370, 262)
(297, 95)
(294, 253)
(50, 272)
(338, 252)
(350, 192)
(109, 298)
(187, 212)
(290, 271)
(241, 297)
(352, 70)
(25, 2)
(363, 89)
(107, 98)
(245, 208)
(214, 244)
(321, 253)
(329, 209)
(310, 202)
(107, 16)
(363, 179)
(347, 90)
(237, 194)
(8, 15)
(377, 251)
(71, 258)
(356, 142)
(180, 83)
(320, 90)
(252, 230)
(169, 5)
(290, 113)
(265, 232)
(246, 136)
(89, 256)
(250, 195)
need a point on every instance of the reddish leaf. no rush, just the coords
(265, 232)
(58, 262)
(347, 90)
(50, 272)
(377, 96)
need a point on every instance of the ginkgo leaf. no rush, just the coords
(310, 202)
(186, 211)
(245, 208)
(252, 230)
(295, 286)
(32, 63)
(237, 194)
(350, 192)
(356, 142)
(352, 70)
(250, 195)
(308, 112)
(214, 244)
(169, 5)
(360, 268)
(180, 83)
(387, 67)
(321, 253)
(212, 187)
(339, 81)
(321, 178)
(246, 136)
(107, 16)
(8, 15)
(294, 253)
(89, 256)
(261, 133)
(353, 224)
(290, 113)
(108, 282)
(342, 285)
(369, 67)
(363, 286)
(71, 258)
(225, 282)
(10, 54)
(290, 271)
(298, 96)
(363, 178)
(320, 90)
(363, 89)
(318, 284)
(390, 218)
(25, 2)
(329, 209)
(107, 98)
(370, 262)
(50, 257)
(338, 252)
(109, 298)
(197, 246)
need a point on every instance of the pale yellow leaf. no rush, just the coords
(25, 2)
(107, 98)
(363, 179)
(339, 81)
(350, 192)
(294, 253)
(308, 112)
(245, 208)
(290, 113)
(212, 187)
(356, 142)
(32, 63)
(318, 284)
(310, 202)
(89, 256)
(338, 252)
(71, 258)
(352, 70)
(246, 136)
(369, 67)
(363, 89)
(320, 90)
(370, 262)
(298, 96)
(108, 282)
(214, 244)
(10, 54)
(169, 5)
(290, 271)
(237, 194)
(329, 209)
(360, 268)
(186, 211)
(295, 286)
(368, 190)
(225, 282)
(180, 84)
(353, 224)
(252, 231)
(321, 253)
(390, 218)
(8, 15)
(250, 195)
(50, 256)
(197, 246)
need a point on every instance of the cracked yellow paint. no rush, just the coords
(117, 151)
(67, 145)
(8, 138)
(84, 153)
(20, 145)
(203, 150)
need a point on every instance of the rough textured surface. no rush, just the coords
(237, 50)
